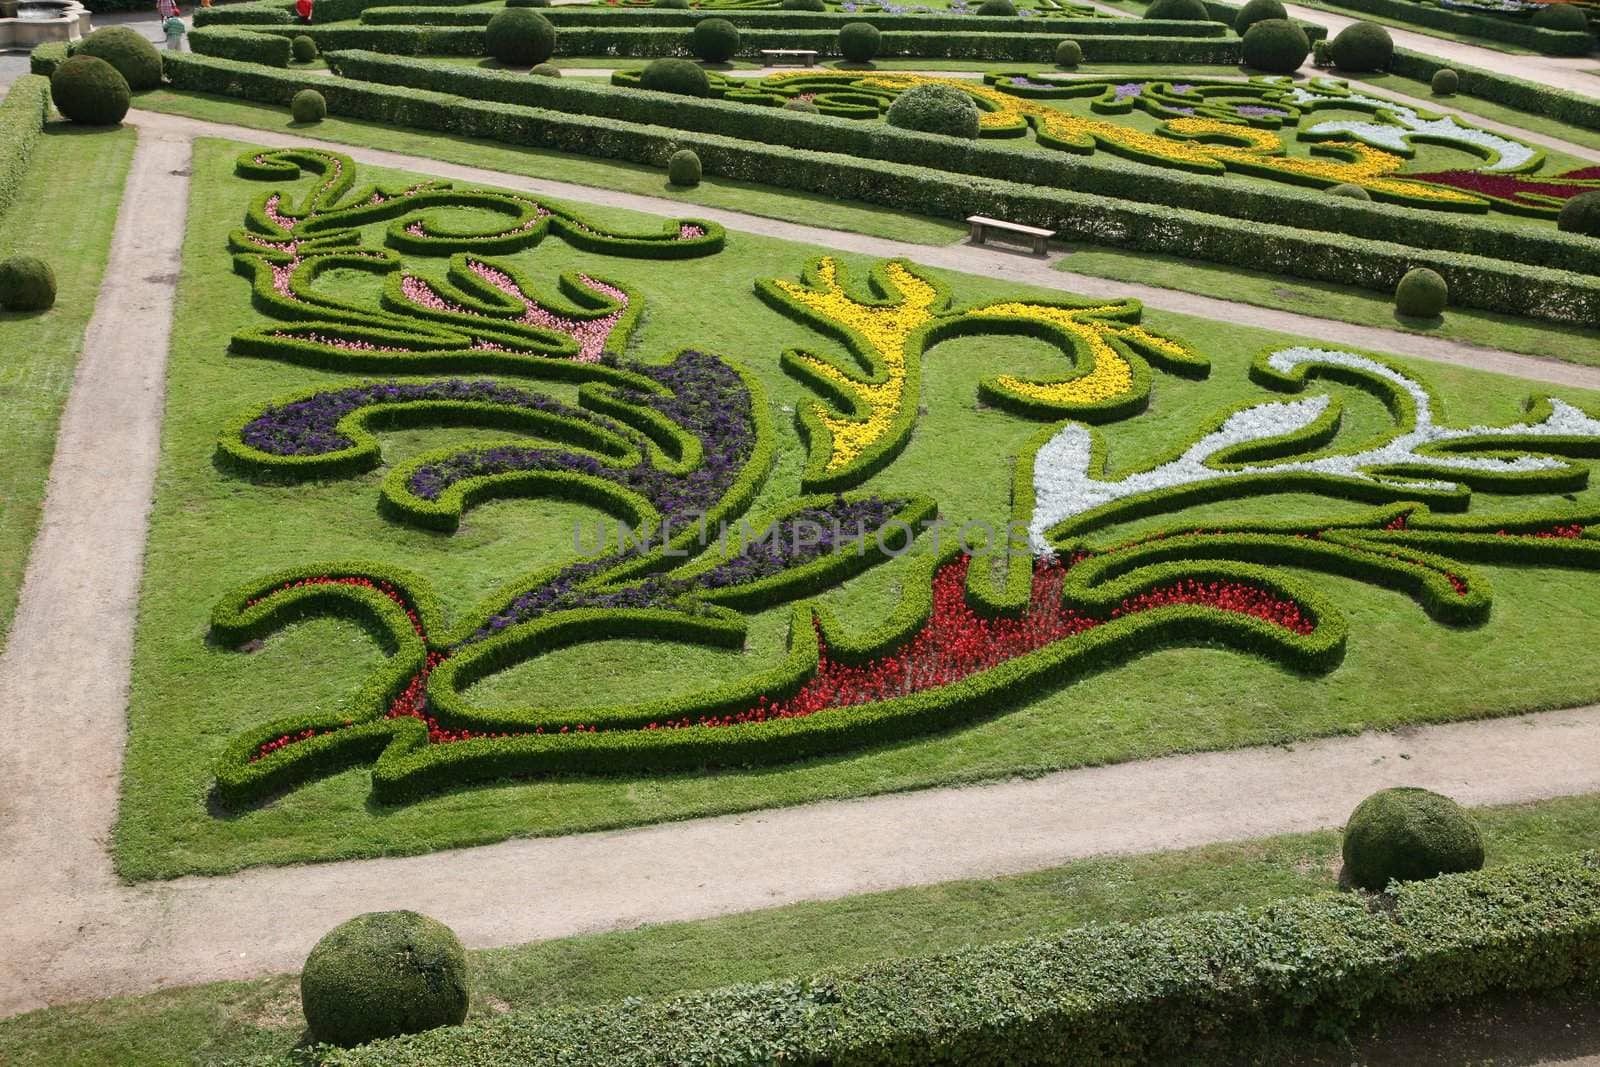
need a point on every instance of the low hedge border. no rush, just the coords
(243, 44)
(1511, 31)
(1023, 165)
(1517, 93)
(1203, 987)
(1475, 281)
(22, 117)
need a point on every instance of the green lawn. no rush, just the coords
(39, 351)
(235, 1022)
(1327, 300)
(210, 532)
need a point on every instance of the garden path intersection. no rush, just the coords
(74, 930)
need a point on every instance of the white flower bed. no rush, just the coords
(1402, 124)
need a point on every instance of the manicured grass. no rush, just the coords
(748, 197)
(70, 230)
(202, 1024)
(210, 532)
(1330, 301)
(1478, 40)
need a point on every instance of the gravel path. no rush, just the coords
(74, 932)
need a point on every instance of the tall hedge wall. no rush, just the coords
(1475, 281)
(22, 116)
(1198, 988)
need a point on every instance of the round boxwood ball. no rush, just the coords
(1421, 294)
(90, 91)
(683, 168)
(1446, 82)
(546, 70)
(1362, 46)
(714, 40)
(802, 105)
(381, 974)
(1069, 54)
(1276, 46)
(308, 106)
(1560, 17)
(27, 284)
(1257, 11)
(135, 58)
(859, 41)
(1408, 834)
(1179, 10)
(1581, 214)
(804, 5)
(518, 37)
(303, 48)
(675, 76)
(935, 109)
(997, 7)
(1352, 192)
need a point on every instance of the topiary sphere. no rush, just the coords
(90, 91)
(1581, 214)
(1069, 54)
(27, 284)
(518, 37)
(997, 7)
(308, 106)
(1421, 294)
(1445, 82)
(1178, 10)
(683, 168)
(1362, 46)
(1560, 17)
(802, 105)
(546, 70)
(135, 58)
(675, 76)
(303, 48)
(859, 41)
(714, 40)
(1276, 46)
(1257, 11)
(804, 5)
(935, 109)
(382, 974)
(1408, 834)
(1352, 192)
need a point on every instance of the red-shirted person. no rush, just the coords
(302, 8)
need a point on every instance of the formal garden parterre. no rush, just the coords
(486, 512)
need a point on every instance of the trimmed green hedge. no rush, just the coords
(1475, 280)
(1518, 93)
(244, 45)
(1204, 987)
(44, 59)
(22, 116)
(1517, 32)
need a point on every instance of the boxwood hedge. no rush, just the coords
(22, 115)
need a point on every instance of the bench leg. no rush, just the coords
(976, 237)
(1039, 245)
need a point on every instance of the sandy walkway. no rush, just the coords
(73, 932)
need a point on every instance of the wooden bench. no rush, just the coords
(983, 228)
(792, 57)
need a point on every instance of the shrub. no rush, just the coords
(308, 106)
(714, 40)
(1581, 214)
(1276, 46)
(1362, 46)
(675, 76)
(859, 41)
(1421, 294)
(1179, 10)
(683, 168)
(1445, 82)
(546, 70)
(1069, 54)
(1560, 16)
(527, 3)
(135, 58)
(1258, 11)
(676, 5)
(1408, 835)
(1352, 192)
(997, 7)
(803, 5)
(935, 109)
(381, 974)
(303, 48)
(90, 91)
(27, 284)
(1322, 53)
(518, 37)
(801, 105)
